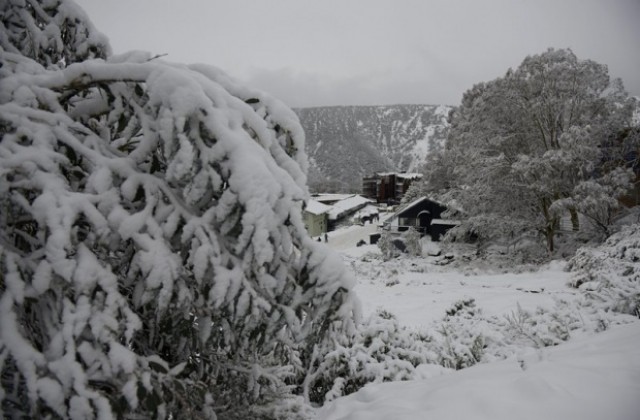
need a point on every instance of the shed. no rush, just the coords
(424, 215)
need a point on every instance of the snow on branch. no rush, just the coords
(151, 233)
(53, 33)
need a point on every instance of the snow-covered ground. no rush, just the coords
(345, 239)
(418, 290)
(596, 377)
(589, 377)
(419, 298)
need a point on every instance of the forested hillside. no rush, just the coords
(344, 143)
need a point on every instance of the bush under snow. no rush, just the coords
(610, 274)
(380, 351)
(153, 257)
(465, 335)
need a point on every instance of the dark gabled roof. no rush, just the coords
(415, 203)
(409, 206)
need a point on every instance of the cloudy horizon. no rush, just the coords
(374, 52)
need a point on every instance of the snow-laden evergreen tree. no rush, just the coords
(521, 145)
(154, 262)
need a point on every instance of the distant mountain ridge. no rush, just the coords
(345, 143)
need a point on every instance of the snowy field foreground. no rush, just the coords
(418, 291)
(596, 377)
(591, 376)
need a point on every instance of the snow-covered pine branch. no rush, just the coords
(153, 254)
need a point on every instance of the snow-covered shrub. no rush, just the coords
(497, 244)
(390, 282)
(154, 262)
(609, 274)
(543, 327)
(387, 247)
(412, 241)
(459, 343)
(381, 351)
(466, 336)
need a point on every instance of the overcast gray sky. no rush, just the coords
(373, 52)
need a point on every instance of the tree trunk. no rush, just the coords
(575, 222)
(551, 225)
(549, 233)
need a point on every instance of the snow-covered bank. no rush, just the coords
(596, 377)
(518, 315)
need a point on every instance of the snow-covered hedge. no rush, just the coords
(609, 275)
(153, 257)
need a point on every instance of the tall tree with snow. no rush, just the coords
(153, 257)
(522, 147)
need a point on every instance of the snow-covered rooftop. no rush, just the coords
(317, 208)
(393, 220)
(413, 175)
(408, 206)
(324, 198)
(367, 211)
(445, 222)
(348, 204)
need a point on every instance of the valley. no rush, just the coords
(345, 143)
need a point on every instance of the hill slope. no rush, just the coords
(344, 143)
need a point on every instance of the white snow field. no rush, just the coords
(418, 290)
(596, 377)
(592, 376)
(419, 298)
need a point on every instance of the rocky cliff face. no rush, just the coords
(345, 143)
